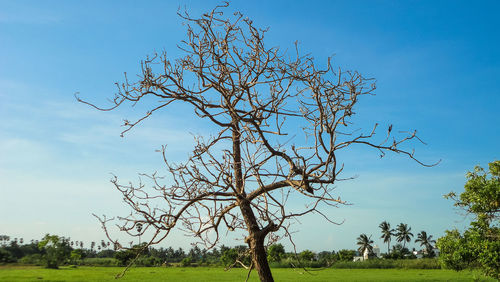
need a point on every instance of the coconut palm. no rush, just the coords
(425, 241)
(4, 239)
(138, 227)
(403, 233)
(387, 233)
(364, 243)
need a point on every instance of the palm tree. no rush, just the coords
(425, 241)
(403, 233)
(387, 233)
(364, 243)
(139, 229)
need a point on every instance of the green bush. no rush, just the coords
(291, 262)
(100, 262)
(280, 264)
(186, 262)
(147, 261)
(125, 256)
(34, 259)
(425, 263)
(57, 250)
(6, 256)
(390, 263)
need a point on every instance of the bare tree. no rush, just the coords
(242, 176)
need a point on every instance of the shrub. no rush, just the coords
(147, 261)
(125, 256)
(346, 255)
(57, 250)
(186, 262)
(100, 262)
(6, 256)
(34, 259)
(292, 262)
(389, 263)
(426, 263)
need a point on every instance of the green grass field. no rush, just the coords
(29, 273)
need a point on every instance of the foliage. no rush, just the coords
(76, 256)
(195, 256)
(403, 233)
(100, 262)
(453, 251)
(150, 261)
(307, 255)
(479, 245)
(365, 243)
(346, 255)
(33, 259)
(326, 258)
(387, 233)
(6, 256)
(275, 252)
(124, 257)
(57, 250)
(389, 263)
(4, 239)
(101, 254)
(399, 252)
(481, 196)
(229, 256)
(426, 241)
(235, 257)
(186, 262)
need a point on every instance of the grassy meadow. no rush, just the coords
(33, 273)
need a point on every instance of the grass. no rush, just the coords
(32, 273)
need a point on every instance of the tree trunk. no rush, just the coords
(259, 259)
(255, 241)
(256, 236)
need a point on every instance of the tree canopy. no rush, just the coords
(479, 245)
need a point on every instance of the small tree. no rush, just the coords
(256, 97)
(346, 255)
(4, 239)
(307, 255)
(399, 252)
(480, 244)
(387, 234)
(426, 241)
(403, 233)
(57, 250)
(365, 243)
(275, 252)
(229, 256)
(125, 256)
(76, 256)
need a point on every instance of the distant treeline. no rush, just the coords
(53, 251)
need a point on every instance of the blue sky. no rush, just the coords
(436, 63)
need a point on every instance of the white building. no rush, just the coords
(376, 251)
(366, 254)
